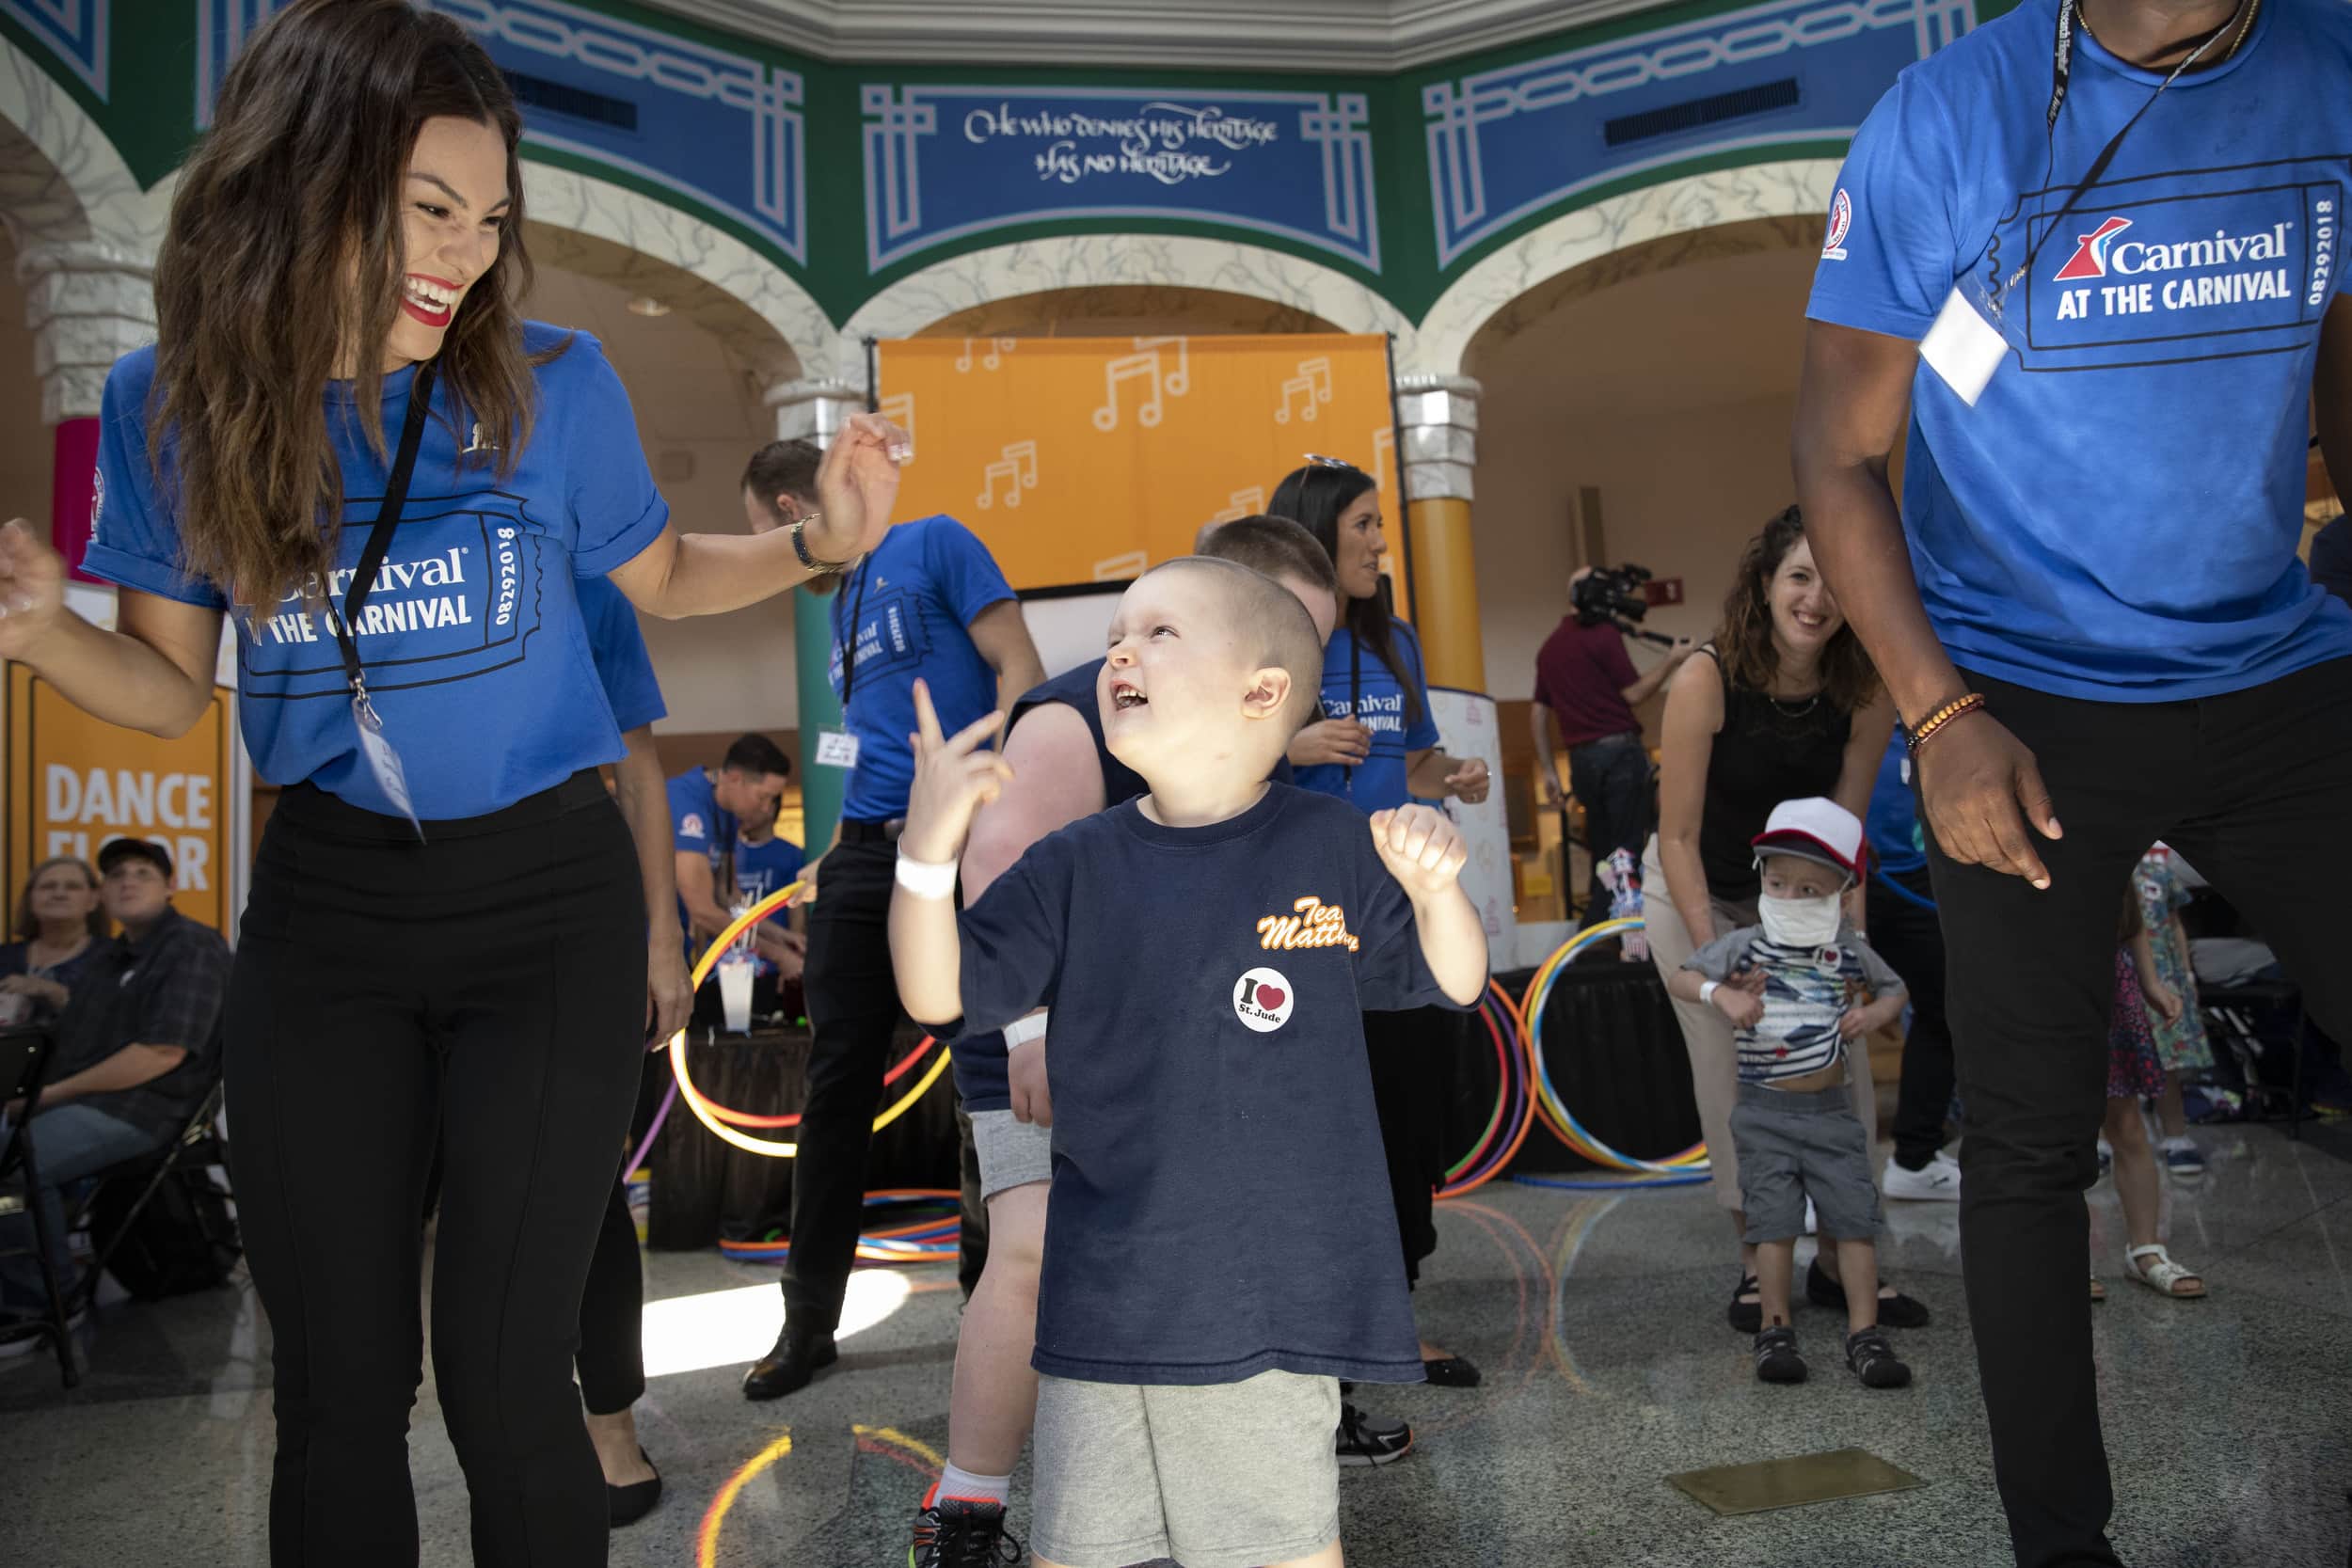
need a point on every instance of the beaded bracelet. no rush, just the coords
(1956, 708)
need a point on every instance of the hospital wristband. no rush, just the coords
(1022, 1031)
(1706, 992)
(927, 879)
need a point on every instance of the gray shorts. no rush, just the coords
(1230, 1475)
(1011, 1152)
(1793, 1147)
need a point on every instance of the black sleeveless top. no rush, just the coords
(1767, 751)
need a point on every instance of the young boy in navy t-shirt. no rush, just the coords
(1208, 951)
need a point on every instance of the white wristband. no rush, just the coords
(1706, 991)
(927, 879)
(1022, 1031)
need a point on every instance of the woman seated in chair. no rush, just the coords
(57, 929)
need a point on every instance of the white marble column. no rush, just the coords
(87, 304)
(813, 409)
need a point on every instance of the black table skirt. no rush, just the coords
(704, 1189)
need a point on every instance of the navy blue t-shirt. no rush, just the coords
(2118, 516)
(618, 645)
(984, 1079)
(475, 650)
(914, 600)
(1219, 1205)
(1355, 682)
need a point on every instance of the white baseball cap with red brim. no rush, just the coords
(1817, 830)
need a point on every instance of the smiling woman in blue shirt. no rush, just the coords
(1376, 746)
(2110, 312)
(346, 435)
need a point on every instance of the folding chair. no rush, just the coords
(24, 1067)
(196, 1146)
(2240, 1018)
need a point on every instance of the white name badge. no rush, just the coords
(383, 761)
(836, 748)
(1963, 348)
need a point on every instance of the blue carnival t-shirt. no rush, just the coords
(761, 869)
(698, 827)
(1355, 682)
(1893, 824)
(2117, 517)
(983, 1078)
(618, 645)
(914, 600)
(1218, 1205)
(475, 652)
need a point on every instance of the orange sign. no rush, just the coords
(1088, 459)
(75, 784)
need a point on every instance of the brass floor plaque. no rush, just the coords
(1812, 1478)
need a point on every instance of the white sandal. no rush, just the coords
(2164, 1276)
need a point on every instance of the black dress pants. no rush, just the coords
(1413, 1057)
(1610, 779)
(611, 1359)
(1910, 938)
(853, 1013)
(2252, 788)
(482, 991)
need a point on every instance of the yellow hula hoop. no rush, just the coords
(701, 1106)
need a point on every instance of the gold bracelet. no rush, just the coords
(1957, 707)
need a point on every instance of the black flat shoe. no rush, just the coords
(1747, 1317)
(788, 1367)
(1896, 1311)
(1454, 1371)
(626, 1505)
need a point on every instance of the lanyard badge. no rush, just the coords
(382, 757)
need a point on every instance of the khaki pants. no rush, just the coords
(1707, 1034)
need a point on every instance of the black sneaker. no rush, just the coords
(1874, 1360)
(961, 1533)
(1777, 1357)
(1896, 1311)
(1367, 1439)
(787, 1367)
(1747, 1317)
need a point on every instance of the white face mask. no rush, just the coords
(1801, 922)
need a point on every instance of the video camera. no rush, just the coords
(1615, 594)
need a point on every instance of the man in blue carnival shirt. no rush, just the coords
(930, 602)
(2112, 338)
(709, 812)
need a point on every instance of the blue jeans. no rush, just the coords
(71, 1143)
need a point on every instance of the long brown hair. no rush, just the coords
(27, 925)
(1744, 641)
(1314, 496)
(285, 246)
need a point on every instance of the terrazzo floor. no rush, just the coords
(1597, 1317)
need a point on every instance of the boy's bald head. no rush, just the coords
(1267, 620)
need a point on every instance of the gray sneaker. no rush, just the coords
(1368, 1439)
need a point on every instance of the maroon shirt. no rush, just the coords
(1581, 674)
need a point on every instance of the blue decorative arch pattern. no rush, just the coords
(722, 129)
(1508, 143)
(75, 30)
(943, 163)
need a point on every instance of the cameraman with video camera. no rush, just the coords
(1584, 679)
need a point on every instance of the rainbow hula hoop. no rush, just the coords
(714, 1116)
(1691, 1166)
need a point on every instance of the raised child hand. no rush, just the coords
(1421, 846)
(953, 779)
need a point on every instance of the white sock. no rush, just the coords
(963, 1483)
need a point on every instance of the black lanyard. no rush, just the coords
(2061, 74)
(380, 535)
(849, 643)
(1355, 699)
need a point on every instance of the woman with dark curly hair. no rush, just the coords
(1784, 707)
(346, 433)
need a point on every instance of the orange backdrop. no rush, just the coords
(1088, 459)
(73, 783)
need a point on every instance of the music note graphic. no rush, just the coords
(1242, 503)
(997, 349)
(1313, 384)
(898, 409)
(1017, 467)
(1119, 567)
(1145, 364)
(1383, 454)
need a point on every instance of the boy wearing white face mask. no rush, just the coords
(1791, 985)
